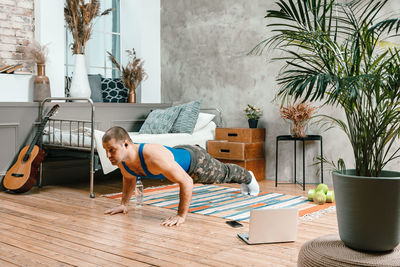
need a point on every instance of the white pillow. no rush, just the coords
(203, 120)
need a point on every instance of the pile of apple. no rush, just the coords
(321, 194)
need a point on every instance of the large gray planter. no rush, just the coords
(368, 210)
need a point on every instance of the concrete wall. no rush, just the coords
(203, 56)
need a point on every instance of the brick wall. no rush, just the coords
(16, 26)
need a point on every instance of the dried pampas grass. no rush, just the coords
(79, 16)
(35, 52)
(299, 114)
(133, 73)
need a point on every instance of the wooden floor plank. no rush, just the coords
(75, 247)
(4, 263)
(61, 225)
(22, 257)
(153, 241)
(90, 236)
(172, 242)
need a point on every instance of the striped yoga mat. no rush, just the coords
(225, 202)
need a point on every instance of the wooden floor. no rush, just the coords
(62, 226)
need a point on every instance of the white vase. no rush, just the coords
(80, 82)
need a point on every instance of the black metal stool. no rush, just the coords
(291, 138)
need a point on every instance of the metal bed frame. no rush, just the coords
(78, 147)
(80, 150)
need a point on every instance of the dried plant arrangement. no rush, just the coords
(80, 17)
(133, 73)
(36, 52)
(299, 114)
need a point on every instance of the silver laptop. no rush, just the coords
(272, 226)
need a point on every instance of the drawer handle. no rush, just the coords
(232, 134)
(225, 150)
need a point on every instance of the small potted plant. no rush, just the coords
(253, 114)
(132, 74)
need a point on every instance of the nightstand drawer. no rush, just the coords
(246, 135)
(235, 151)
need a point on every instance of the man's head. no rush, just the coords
(116, 142)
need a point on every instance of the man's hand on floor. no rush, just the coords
(119, 209)
(174, 220)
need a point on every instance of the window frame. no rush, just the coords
(115, 73)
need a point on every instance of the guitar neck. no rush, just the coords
(37, 136)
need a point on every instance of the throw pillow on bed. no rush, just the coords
(203, 120)
(114, 90)
(160, 121)
(187, 118)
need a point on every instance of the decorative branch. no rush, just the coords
(35, 52)
(133, 73)
(80, 18)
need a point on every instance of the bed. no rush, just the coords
(71, 137)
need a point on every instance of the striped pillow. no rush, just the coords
(160, 121)
(187, 118)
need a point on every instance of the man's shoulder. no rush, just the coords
(154, 150)
(157, 154)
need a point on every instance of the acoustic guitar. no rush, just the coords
(21, 177)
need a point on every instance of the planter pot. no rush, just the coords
(41, 84)
(368, 210)
(80, 82)
(132, 95)
(253, 123)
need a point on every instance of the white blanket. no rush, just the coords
(53, 135)
(199, 137)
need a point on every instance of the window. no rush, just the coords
(106, 36)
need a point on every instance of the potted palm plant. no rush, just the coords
(341, 53)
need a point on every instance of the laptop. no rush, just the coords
(271, 226)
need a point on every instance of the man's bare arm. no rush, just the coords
(185, 194)
(162, 161)
(128, 187)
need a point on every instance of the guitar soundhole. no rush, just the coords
(17, 175)
(225, 150)
(232, 134)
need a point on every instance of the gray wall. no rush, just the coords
(203, 56)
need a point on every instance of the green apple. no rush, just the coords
(330, 196)
(320, 197)
(322, 187)
(311, 193)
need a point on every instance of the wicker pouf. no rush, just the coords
(329, 250)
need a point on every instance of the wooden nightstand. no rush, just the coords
(241, 146)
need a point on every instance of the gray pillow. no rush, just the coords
(95, 86)
(160, 121)
(187, 118)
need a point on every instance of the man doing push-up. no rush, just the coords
(183, 164)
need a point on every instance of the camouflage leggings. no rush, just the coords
(205, 169)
